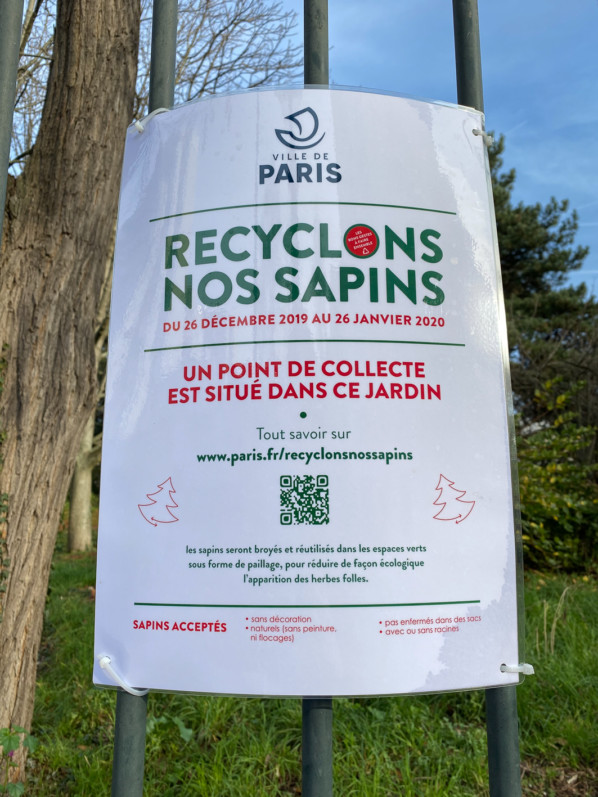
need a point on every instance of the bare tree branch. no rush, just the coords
(222, 45)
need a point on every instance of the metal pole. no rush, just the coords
(468, 58)
(502, 730)
(502, 726)
(129, 745)
(317, 747)
(11, 15)
(315, 42)
(163, 61)
(131, 710)
(316, 712)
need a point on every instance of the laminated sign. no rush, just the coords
(306, 477)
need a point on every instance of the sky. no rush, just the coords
(540, 73)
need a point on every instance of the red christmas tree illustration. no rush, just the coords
(451, 503)
(161, 502)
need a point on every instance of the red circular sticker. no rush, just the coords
(361, 241)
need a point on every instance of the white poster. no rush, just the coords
(306, 480)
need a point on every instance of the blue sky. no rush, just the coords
(540, 70)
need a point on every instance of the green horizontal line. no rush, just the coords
(278, 204)
(308, 340)
(301, 605)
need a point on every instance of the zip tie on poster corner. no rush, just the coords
(141, 125)
(488, 139)
(525, 669)
(104, 662)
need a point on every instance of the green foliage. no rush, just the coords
(417, 746)
(559, 494)
(535, 242)
(11, 740)
(552, 328)
(553, 331)
(558, 712)
(554, 336)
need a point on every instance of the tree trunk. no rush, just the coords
(80, 537)
(90, 448)
(58, 225)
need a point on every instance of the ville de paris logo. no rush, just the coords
(304, 132)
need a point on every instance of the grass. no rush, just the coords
(424, 746)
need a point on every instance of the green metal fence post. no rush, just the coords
(316, 712)
(163, 61)
(317, 747)
(502, 727)
(129, 745)
(468, 59)
(502, 730)
(315, 42)
(131, 710)
(11, 14)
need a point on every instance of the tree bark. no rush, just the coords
(80, 530)
(80, 537)
(57, 234)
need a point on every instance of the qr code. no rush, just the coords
(304, 499)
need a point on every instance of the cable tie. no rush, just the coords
(141, 125)
(526, 669)
(477, 132)
(104, 662)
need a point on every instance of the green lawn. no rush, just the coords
(238, 747)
